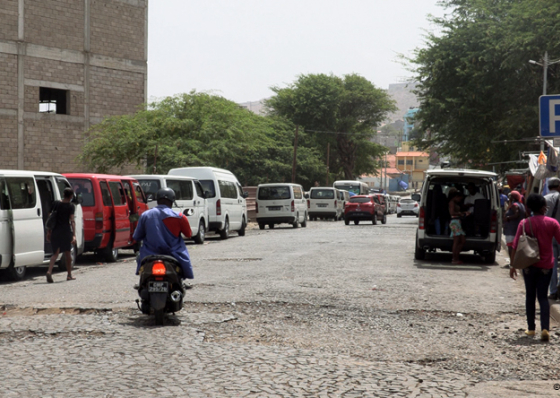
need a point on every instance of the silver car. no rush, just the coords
(408, 207)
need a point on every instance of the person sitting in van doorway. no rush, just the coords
(468, 222)
(159, 229)
(63, 236)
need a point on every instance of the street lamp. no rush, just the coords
(545, 64)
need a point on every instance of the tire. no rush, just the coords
(159, 317)
(304, 223)
(241, 232)
(356, 222)
(384, 219)
(271, 226)
(347, 222)
(224, 233)
(15, 273)
(399, 215)
(201, 235)
(295, 224)
(419, 253)
(374, 219)
(490, 258)
(261, 226)
(62, 263)
(110, 254)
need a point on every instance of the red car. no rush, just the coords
(365, 208)
(111, 205)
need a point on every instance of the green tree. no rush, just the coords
(340, 112)
(199, 129)
(475, 83)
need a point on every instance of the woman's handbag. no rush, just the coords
(527, 252)
(51, 221)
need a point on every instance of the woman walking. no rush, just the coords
(537, 276)
(63, 236)
(514, 214)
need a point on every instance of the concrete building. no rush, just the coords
(64, 66)
(256, 107)
(409, 123)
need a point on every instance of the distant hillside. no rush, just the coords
(405, 98)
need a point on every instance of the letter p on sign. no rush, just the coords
(549, 115)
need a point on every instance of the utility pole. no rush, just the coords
(328, 153)
(155, 161)
(294, 163)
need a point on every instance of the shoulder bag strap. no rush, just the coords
(531, 226)
(555, 206)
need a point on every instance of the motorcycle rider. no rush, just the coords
(160, 230)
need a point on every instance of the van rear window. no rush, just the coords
(84, 189)
(183, 189)
(150, 187)
(274, 193)
(322, 194)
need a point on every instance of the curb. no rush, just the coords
(554, 305)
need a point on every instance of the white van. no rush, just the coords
(280, 203)
(189, 199)
(483, 229)
(26, 199)
(325, 203)
(227, 208)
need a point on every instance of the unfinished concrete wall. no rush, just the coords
(92, 51)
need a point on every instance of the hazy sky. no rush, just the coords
(239, 48)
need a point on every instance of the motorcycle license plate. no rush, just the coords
(158, 287)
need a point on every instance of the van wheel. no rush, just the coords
(110, 254)
(261, 226)
(399, 215)
(304, 223)
(62, 263)
(490, 258)
(271, 226)
(15, 273)
(241, 232)
(356, 222)
(201, 235)
(346, 221)
(419, 253)
(224, 233)
(374, 219)
(295, 224)
(384, 219)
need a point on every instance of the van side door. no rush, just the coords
(201, 202)
(121, 213)
(62, 184)
(300, 202)
(26, 219)
(230, 203)
(5, 226)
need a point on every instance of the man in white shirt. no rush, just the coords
(473, 195)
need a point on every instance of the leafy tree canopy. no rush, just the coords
(476, 85)
(199, 129)
(340, 111)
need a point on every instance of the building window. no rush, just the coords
(52, 100)
(409, 162)
(400, 162)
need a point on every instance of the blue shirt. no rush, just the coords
(160, 239)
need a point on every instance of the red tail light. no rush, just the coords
(293, 206)
(219, 207)
(335, 202)
(421, 219)
(257, 207)
(308, 204)
(99, 221)
(415, 204)
(494, 222)
(398, 205)
(158, 268)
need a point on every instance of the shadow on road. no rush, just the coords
(471, 262)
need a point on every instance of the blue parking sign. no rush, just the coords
(549, 113)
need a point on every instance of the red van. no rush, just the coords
(111, 205)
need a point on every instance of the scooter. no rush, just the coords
(160, 288)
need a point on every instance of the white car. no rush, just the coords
(325, 203)
(26, 199)
(189, 199)
(408, 207)
(226, 202)
(281, 203)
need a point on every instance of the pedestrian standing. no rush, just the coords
(514, 214)
(537, 276)
(457, 233)
(552, 202)
(63, 235)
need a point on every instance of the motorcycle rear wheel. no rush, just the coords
(159, 317)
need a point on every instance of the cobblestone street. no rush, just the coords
(324, 311)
